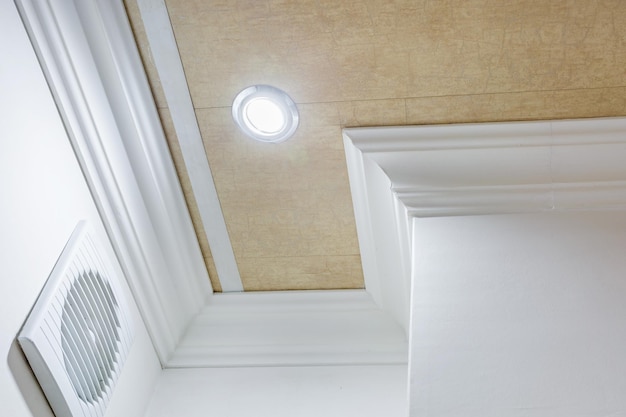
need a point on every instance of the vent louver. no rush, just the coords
(78, 335)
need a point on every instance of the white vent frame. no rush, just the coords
(41, 337)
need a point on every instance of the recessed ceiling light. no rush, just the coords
(265, 113)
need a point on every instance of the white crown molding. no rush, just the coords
(383, 242)
(499, 167)
(609, 195)
(398, 173)
(395, 139)
(307, 328)
(365, 235)
(140, 202)
(133, 107)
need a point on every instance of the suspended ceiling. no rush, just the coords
(351, 63)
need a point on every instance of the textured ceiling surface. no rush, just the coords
(364, 63)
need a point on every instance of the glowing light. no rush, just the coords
(264, 115)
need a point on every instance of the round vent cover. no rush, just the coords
(90, 335)
(79, 333)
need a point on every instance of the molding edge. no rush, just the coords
(608, 195)
(567, 132)
(365, 236)
(138, 119)
(308, 328)
(384, 255)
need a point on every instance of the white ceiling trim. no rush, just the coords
(376, 211)
(501, 167)
(382, 234)
(131, 197)
(397, 173)
(498, 135)
(514, 199)
(171, 73)
(292, 328)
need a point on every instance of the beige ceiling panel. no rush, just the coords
(565, 104)
(297, 273)
(287, 202)
(390, 112)
(358, 50)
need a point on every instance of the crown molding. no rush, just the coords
(381, 232)
(295, 328)
(609, 195)
(89, 58)
(371, 140)
(399, 173)
(499, 167)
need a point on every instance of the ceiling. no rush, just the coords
(348, 63)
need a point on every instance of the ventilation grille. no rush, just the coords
(78, 335)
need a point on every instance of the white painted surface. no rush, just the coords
(397, 173)
(292, 328)
(44, 195)
(363, 391)
(86, 50)
(519, 315)
(385, 260)
(125, 82)
(512, 167)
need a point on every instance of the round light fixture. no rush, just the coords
(265, 113)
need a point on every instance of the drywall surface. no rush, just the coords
(43, 197)
(519, 315)
(329, 391)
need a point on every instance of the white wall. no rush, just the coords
(326, 391)
(519, 315)
(42, 197)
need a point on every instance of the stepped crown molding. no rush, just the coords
(400, 173)
(501, 167)
(291, 328)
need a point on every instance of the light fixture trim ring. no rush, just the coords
(279, 99)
